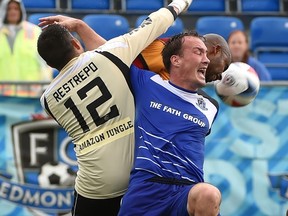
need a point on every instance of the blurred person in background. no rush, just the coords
(239, 47)
(19, 59)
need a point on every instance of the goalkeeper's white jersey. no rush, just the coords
(91, 99)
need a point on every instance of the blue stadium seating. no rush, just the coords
(222, 25)
(276, 62)
(269, 31)
(142, 5)
(259, 5)
(90, 4)
(107, 25)
(39, 4)
(208, 6)
(176, 28)
(34, 18)
(269, 43)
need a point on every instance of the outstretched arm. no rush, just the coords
(89, 37)
(128, 46)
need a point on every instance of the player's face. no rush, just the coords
(238, 45)
(13, 13)
(218, 64)
(193, 63)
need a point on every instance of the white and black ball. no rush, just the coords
(239, 85)
(56, 174)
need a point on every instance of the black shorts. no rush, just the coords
(105, 207)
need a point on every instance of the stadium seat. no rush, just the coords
(176, 28)
(258, 5)
(38, 4)
(269, 44)
(107, 25)
(222, 25)
(269, 31)
(90, 4)
(208, 6)
(276, 62)
(34, 18)
(142, 5)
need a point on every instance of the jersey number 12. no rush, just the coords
(82, 93)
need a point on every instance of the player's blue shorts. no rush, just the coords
(150, 198)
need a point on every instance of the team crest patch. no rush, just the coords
(46, 167)
(201, 103)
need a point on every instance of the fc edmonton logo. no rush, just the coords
(46, 167)
(201, 103)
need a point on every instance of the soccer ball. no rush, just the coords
(239, 85)
(56, 174)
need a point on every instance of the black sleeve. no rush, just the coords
(171, 9)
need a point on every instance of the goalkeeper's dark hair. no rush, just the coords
(55, 47)
(174, 46)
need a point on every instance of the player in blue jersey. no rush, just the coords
(171, 123)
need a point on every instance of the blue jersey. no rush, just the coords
(171, 124)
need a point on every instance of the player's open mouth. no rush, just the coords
(202, 71)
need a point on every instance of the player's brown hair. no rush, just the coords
(174, 47)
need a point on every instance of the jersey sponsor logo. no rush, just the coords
(194, 119)
(106, 135)
(201, 104)
(173, 111)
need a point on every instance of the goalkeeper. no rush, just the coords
(91, 100)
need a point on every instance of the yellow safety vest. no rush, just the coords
(21, 64)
